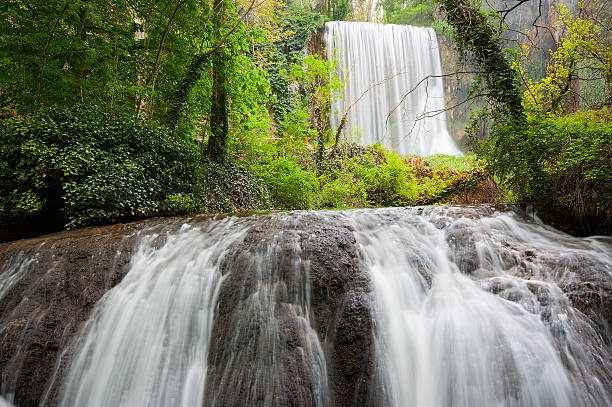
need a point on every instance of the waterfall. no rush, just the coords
(268, 344)
(470, 315)
(393, 91)
(434, 306)
(147, 341)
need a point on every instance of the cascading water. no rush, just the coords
(267, 344)
(148, 341)
(148, 338)
(428, 307)
(466, 320)
(393, 94)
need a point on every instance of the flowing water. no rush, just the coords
(147, 341)
(268, 344)
(473, 306)
(471, 312)
(393, 92)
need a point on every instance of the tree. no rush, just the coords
(579, 50)
(60, 51)
(218, 106)
(474, 35)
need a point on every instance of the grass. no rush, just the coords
(439, 161)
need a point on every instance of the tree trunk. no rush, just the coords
(218, 103)
(218, 110)
(45, 54)
(192, 75)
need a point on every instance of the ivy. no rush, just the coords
(475, 36)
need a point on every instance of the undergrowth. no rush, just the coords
(563, 164)
(300, 176)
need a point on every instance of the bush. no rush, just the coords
(353, 176)
(391, 183)
(80, 166)
(290, 186)
(230, 188)
(562, 163)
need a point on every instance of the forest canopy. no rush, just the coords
(115, 110)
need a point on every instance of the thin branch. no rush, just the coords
(419, 83)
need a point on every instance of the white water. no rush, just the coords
(14, 272)
(272, 352)
(472, 309)
(149, 338)
(4, 403)
(445, 339)
(147, 341)
(393, 94)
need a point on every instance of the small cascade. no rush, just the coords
(394, 94)
(470, 315)
(147, 341)
(267, 343)
(431, 307)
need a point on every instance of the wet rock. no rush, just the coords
(588, 285)
(291, 331)
(58, 280)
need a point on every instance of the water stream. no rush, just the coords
(472, 306)
(147, 342)
(471, 312)
(393, 92)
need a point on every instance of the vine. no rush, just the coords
(477, 37)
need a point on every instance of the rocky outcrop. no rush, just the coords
(48, 287)
(309, 299)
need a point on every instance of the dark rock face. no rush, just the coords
(315, 303)
(57, 280)
(286, 330)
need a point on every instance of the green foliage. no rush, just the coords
(281, 55)
(478, 38)
(229, 188)
(355, 177)
(62, 52)
(564, 162)
(290, 185)
(412, 12)
(86, 167)
(80, 166)
(391, 183)
(295, 128)
(579, 50)
(439, 161)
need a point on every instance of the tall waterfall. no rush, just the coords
(431, 307)
(393, 94)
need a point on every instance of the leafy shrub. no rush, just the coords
(562, 162)
(290, 185)
(465, 163)
(390, 183)
(81, 166)
(341, 190)
(230, 188)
